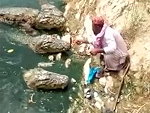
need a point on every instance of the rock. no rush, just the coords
(87, 90)
(70, 98)
(88, 96)
(73, 80)
(138, 90)
(98, 105)
(95, 94)
(112, 99)
(109, 84)
(106, 73)
(78, 16)
(131, 18)
(73, 88)
(137, 76)
(39, 78)
(48, 44)
(102, 81)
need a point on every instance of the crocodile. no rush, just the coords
(39, 78)
(47, 18)
(48, 44)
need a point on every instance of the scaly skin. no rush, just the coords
(39, 78)
(49, 17)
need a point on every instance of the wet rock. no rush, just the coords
(70, 98)
(39, 78)
(73, 80)
(73, 88)
(48, 44)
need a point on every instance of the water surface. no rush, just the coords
(14, 94)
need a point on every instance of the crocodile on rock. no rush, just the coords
(39, 78)
(47, 18)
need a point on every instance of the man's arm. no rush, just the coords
(97, 50)
(79, 42)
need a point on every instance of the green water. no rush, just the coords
(28, 3)
(14, 94)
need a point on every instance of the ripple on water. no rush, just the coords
(14, 94)
(12, 60)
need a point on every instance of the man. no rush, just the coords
(109, 42)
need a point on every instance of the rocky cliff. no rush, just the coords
(131, 19)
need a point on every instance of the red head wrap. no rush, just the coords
(98, 20)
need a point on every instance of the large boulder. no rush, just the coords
(39, 78)
(48, 44)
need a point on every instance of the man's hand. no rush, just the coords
(79, 42)
(96, 50)
(93, 51)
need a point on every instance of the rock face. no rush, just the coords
(48, 44)
(131, 19)
(49, 17)
(39, 78)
